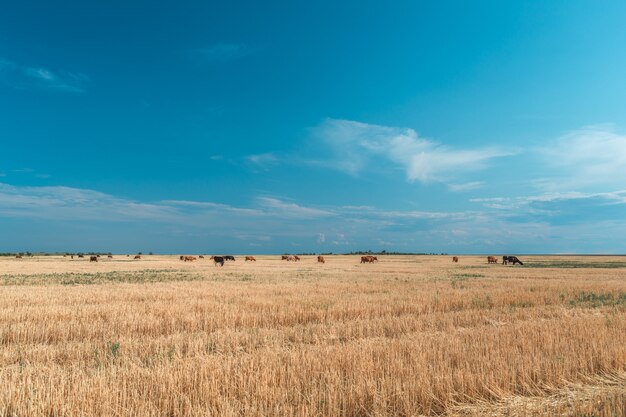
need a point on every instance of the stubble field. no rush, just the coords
(407, 336)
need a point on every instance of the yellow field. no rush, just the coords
(407, 336)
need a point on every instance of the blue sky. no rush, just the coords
(460, 127)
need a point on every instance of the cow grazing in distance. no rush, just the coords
(296, 258)
(455, 259)
(320, 259)
(110, 256)
(512, 259)
(229, 258)
(200, 256)
(80, 256)
(182, 258)
(137, 257)
(492, 260)
(218, 260)
(93, 259)
(189, 258)
(284, 258)
(250, 258)
(368, 259)
(18, 256)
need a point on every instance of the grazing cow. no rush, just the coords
(492, 260)
(97, 256)
(201, 257)
(229, 258)
(189, 258)
(368, 259)
(512, 259)
(218, 260)
(182, 258)
(93, 259)
(284, 258)
(80, 256)
(250, 258)
(110, 256)
(296, 258)
(320, 259)
(455, 259)
(137, 257)
(18, 256)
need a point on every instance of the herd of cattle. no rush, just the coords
(506, 259)
(368, 259)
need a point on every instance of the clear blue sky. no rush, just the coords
(261, 127)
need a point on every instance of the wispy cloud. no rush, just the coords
(26, 77)
(292, 210)
(549, 222)
(593, 155)
(66, 203)
(356, 145)
(466, 186)
(263, 160)
(515, 203)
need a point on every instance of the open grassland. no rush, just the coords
(407, 336)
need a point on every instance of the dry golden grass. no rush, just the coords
(407, 336)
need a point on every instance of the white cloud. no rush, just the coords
(263, 160)
(515, 203)
(66, 203)
(467, 186)
(593, 155)
(275, 224)
(356, 144)
(291, 209)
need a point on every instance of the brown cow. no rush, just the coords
(80, 256)
(93, 259)
(296, 258)
(201, 257)
(368, 259)
(320, 259)
(285, 258)
(18, 256)
(189, 258)
(250, 258)
(110, 256)
(492, 260)
(182, 258)
(455, 259)
(137, 257)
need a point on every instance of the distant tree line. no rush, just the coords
(384, 252)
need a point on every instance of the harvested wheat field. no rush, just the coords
(406, 336)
